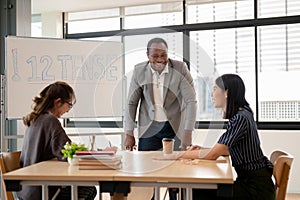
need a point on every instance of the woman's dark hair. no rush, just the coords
(235, 93)
(45, 101)
(156, 40)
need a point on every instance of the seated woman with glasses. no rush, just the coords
(45, 138)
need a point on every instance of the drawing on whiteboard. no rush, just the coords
(15, 76)
(92, 68)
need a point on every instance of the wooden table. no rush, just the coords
(138, 169)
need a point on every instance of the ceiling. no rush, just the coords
(44, 6)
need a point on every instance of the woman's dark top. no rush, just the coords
(254, 170)
(43, 140)
(243, 141)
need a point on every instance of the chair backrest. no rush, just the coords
(282, 162)
(9, 161)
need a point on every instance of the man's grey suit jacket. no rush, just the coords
(179, 98)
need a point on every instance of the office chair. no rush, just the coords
(9, 161)
(282, 162)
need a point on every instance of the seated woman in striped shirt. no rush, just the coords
(240, 141)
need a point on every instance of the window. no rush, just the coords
(153, 15)
(222, 10)
(220, 37)
(92, 21)
(36, 26)
(276, 8)
(279, 72)
(216, 52)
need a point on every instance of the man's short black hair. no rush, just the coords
(156, 40)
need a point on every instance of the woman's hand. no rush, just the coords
(193, 147)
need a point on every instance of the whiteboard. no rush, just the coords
(92, 68)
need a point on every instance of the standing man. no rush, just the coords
(164, 91)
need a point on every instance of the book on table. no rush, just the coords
(91, 167)
(98, 160)
(78, 153)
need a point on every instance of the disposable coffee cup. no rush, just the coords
(168, 145)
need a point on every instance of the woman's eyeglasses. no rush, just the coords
(70, 104)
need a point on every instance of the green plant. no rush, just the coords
(71, 148)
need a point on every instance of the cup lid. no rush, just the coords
(168, 139)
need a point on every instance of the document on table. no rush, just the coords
(176, 156)
(173, 156)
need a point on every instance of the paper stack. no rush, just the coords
(98, 160)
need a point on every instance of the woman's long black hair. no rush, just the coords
(235, 93)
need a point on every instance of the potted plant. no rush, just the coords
(70, 149)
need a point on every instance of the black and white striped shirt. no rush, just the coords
(242, 139)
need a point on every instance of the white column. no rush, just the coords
(52, 25)
(23, 18)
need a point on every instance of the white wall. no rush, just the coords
(270, 140)
(287, 141)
